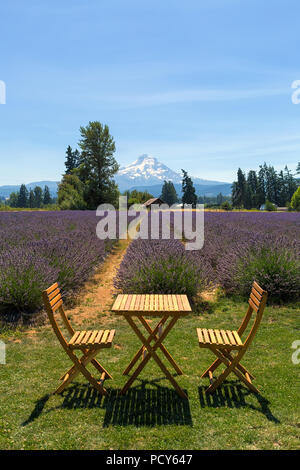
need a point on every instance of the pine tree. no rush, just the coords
(188, 190)
(38, 196)
(23, 196)
(72, 160)
(31, 199)
(168, 193)
(239, 190)
(46, 196)
(98, 165)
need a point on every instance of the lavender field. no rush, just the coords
(38, 248)
(239, 247)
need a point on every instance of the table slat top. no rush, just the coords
(151, 303)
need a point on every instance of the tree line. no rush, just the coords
(34, 198)
(264, 186)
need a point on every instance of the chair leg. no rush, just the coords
(79, 366)
(218, 362)
(231, 367)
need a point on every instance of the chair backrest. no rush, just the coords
(53, 303)
(257, 302)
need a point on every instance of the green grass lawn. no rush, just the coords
(151, 415)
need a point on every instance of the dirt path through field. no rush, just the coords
(97, 296)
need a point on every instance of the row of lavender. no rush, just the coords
(38, 248)
(239, 247)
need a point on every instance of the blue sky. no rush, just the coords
(201, 85)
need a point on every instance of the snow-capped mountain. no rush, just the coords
(147, 171)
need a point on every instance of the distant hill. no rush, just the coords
(201, 190)
(5, 191)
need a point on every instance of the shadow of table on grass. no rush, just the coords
(140, 406)
(234, 395)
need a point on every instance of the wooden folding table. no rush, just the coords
(169, 308)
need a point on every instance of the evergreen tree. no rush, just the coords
(22, 196)
(72, 159)
(188, 190)
(31, 199)
(168, 193)
(13, 199)
(252, 186)
(38, 196)
(46, 196)
(239, 190)
(291, 184)
(70, 193)
(298, 169)
(98, 165)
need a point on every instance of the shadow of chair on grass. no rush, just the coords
(232, 394)
(140, 406)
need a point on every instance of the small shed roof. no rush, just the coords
(153, 200)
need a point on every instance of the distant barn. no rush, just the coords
(153, 200)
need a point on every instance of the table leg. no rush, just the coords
(151, 353)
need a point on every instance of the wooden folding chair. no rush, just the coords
(228, 345)
(88, 342)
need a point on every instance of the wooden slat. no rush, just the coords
(175, 304)
(212, 336)
(254, 300)
(117, 303)
(86, 337)
(98, 337)
(92, 337)
(231, 337)
(258, 288)
(206, 336)
(170, 302)
(137, 303)
(57, 305)
(147, 302)
(79, 338)
(111, 336)
(252, 305)
(166, 304)
(105, 336)
(51, 288)
(179, 302)
(200, 335)
(156, 307)
(131, 307)
(224, 336)
(161, 303)
(128, 302)
(74, 337)
(142, 303)
(219, 337)
(237, 338)
(186, 304)
(55, 300)
(256, 294)
(123, 302)
(53, 294)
